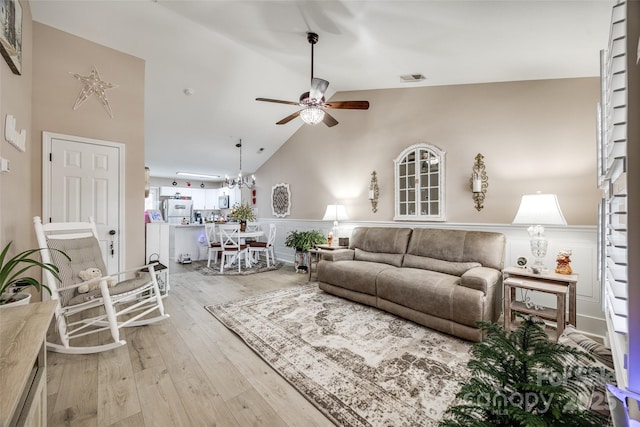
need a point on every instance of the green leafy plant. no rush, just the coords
(523, 379)
(242, 212)
(303, 241)
(12, 270)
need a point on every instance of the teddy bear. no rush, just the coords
(92, 273)
(563, 260)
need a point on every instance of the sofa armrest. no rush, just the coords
(338, 255)
(480, 278)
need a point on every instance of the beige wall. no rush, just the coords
(20, 188)
(42, 99)
(56, 55)
(535, 135)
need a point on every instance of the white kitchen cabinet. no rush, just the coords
(234, 195)
(198, 197)
(169, 191)
(211, 198)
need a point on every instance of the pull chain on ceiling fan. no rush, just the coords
(313, 103)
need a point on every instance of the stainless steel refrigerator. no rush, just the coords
(175, 210)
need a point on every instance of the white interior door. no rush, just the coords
(82, 179)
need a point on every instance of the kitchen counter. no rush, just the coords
(187, 239)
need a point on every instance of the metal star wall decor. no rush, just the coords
(93, 85)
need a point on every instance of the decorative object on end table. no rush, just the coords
(12, 274)
(538, 210)
(563, 261)
(523, 379)
(335, 213)
(242, 213)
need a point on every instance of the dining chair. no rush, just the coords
(255, 248)
(214, 246)
(252, 226)
(232, 249)
(126, 299)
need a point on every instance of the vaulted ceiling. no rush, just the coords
(228, 52)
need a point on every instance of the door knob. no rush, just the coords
(112, 232)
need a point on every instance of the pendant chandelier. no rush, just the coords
(240, 180)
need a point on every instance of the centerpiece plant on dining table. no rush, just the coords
(242, 213)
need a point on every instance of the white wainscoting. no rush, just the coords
(580, 239)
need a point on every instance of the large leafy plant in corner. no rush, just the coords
(12, 269)
(523, 379)
(304, 241)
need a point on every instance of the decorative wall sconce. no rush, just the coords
(479, 182)
(374, 192)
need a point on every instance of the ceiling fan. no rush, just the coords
(313, 103)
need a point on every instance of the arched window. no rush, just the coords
(419, 176)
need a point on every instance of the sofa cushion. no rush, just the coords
(358, 276)
(431, 292)
(392, 259)
(447, 267)
(380, 239)
(487, 248)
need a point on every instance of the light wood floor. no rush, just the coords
(188, 370)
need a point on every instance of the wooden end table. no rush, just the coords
(559, 285)
(315, 254)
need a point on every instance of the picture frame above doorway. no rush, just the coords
(11, 34)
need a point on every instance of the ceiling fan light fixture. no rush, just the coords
(312, 115)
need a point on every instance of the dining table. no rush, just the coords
(243, 235)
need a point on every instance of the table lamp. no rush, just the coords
(335, 213)
(539, 209)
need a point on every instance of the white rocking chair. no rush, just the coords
(129, 303)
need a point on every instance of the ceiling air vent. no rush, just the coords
(411, 78)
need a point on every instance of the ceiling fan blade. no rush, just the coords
(277, 101)
(329, 120)
(288, 118)
(347, 105)
(318, 87)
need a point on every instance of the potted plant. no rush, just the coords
(303, 242)
(524, 379)
(242, 213)
(12, 271)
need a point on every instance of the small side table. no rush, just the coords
(315, 255)
(559, 285)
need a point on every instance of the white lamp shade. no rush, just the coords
(335, 213)
(539, 209)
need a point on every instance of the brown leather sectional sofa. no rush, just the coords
(443, 279)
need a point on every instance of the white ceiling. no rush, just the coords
(230, 52)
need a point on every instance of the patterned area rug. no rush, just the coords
(214, 270)
(357, 364)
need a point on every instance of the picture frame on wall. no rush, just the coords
(11, 34)
(280, 200)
